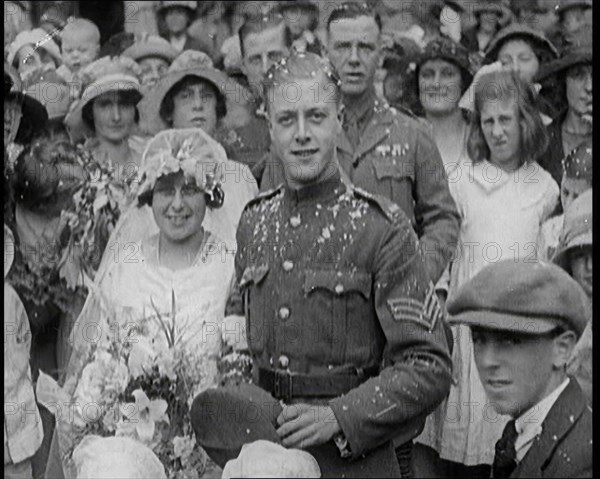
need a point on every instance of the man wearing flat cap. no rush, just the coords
(525, 319)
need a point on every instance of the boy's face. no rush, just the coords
(581, 262)
(519, 370)
(78, 50)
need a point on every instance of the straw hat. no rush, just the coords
(188, 63)
(38, 38)
(577, 228)
(99, 77)
(151, 46)
(518, 31)
(577, 51)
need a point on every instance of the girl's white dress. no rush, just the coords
(502, 214)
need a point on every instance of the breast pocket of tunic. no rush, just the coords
(255, 301)
(339, 301)
(395, 179)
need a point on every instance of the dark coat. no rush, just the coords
(332, 280)
(564, 448)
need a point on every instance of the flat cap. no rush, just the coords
(529, 298)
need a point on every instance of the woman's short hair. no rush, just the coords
(167, 107)
(499, 86)
(127, 97)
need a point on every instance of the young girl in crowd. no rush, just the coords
(503, 196)
(576, 179)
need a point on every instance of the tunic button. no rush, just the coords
(339, 289)
(284, 313)
(284, 361)
(288, 265)
(295, 221)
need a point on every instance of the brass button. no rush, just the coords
(339, 288)
(284, 313)
(284, 361)
(288, 265)
(295, 221)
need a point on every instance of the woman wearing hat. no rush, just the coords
(490, 17)
(106, 114)
(154, 55)
(443, 73)
(302, 19)
(503, 197)
(31, 50)
(574, 255)
(180, 259)
(570, 78)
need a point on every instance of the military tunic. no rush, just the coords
(395, 157)
(332, 277)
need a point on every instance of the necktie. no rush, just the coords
(505, 459)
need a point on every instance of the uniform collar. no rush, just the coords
(330, 187)
(364, 109)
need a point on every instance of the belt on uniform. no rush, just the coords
(284, 385)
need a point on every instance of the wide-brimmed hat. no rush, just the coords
(151, 46)
(578, 50)
(577, 228)
(99, 77)
(38, 38)
(447, 49)
(518, 31)
(190, 6)
(188, 63)
(401, 49)
(51, 90)
(524, 298)
(436, 7)
(563, 5)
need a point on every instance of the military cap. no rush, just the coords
(577, 228)
(526, 298)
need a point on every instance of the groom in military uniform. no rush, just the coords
(332, 279)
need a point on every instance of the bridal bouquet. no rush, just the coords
(135, 383)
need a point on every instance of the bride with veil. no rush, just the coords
(160, 292)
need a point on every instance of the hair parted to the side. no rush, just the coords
(350, 10)
(501, 86)
(300, 66)
(254, 25)
(127, 97)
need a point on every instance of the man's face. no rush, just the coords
(78, 50)
(581, 262)
(579, 83)
(517, 370)
(353, 47)
(304, 123)
(261, 50)
(298, 19)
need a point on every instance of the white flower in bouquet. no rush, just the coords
(142, 417)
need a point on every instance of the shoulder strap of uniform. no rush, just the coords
(390, 209)
(264, 195)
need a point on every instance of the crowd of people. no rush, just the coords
(300, 239)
